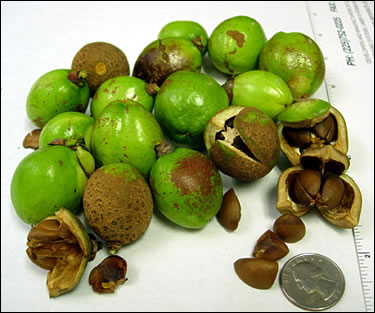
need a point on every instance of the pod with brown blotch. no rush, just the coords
(242, 142)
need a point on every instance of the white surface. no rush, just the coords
(171, 268)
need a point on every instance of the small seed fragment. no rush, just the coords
(270, 246)
(31, 140)
(108, 275)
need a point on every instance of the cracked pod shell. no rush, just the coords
(250, 148)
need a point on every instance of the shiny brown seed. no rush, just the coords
(270, 246)
(230, 211)
(297, 137)
(307, 186)
(331, 193)
(257, 273)
(326, 129)
(108, 275)
(289, 228)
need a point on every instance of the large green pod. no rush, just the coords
(189, 30)
(126, 132)
(185, 103)
(260, 89)
(68, 125)
(235, 44)
(55, 92)
(297, 59)
(121, 88)
(187, 187)
(45, 181)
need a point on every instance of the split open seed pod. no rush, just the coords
(61, 245)
(242, 142)
(311, 123)
(320, 182)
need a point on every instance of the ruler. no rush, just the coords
(328, 20)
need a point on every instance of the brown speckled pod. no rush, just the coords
(165, 56)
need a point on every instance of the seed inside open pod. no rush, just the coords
(334, 194)
(311, 123)
(61, 245)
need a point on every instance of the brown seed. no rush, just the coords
(307, 186)
(108, 275)
(331, 193)
(270, 246)
(289, 228)
(326, 129)
(230, 211)
(257, 273)
(297, 137)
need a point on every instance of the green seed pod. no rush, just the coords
(126, 132)
(189, 30)
(185, 103)
(121, 88)
(47, 180)
(68, 125)
(56, 92)
(297, 59)
(187, 187)
(235, 44)
(262, 90)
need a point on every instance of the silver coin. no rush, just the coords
(312, 281)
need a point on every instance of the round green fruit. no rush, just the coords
(189, 30)
(47, 180)
(262, 90)
(55, 92)
(297, 59)
(185, 103)
(121, 88)
(163, 57)
(187, 187)
(68, 125)
(235, 44)
(126, 132)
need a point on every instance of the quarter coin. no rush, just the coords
(312, 281)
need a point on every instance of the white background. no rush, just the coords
(171, 268)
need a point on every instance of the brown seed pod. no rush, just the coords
(242, 142)
(108, 275)
(101, 61)
(165, 56)
(117, 204)
(61, 245)
(256, 272)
